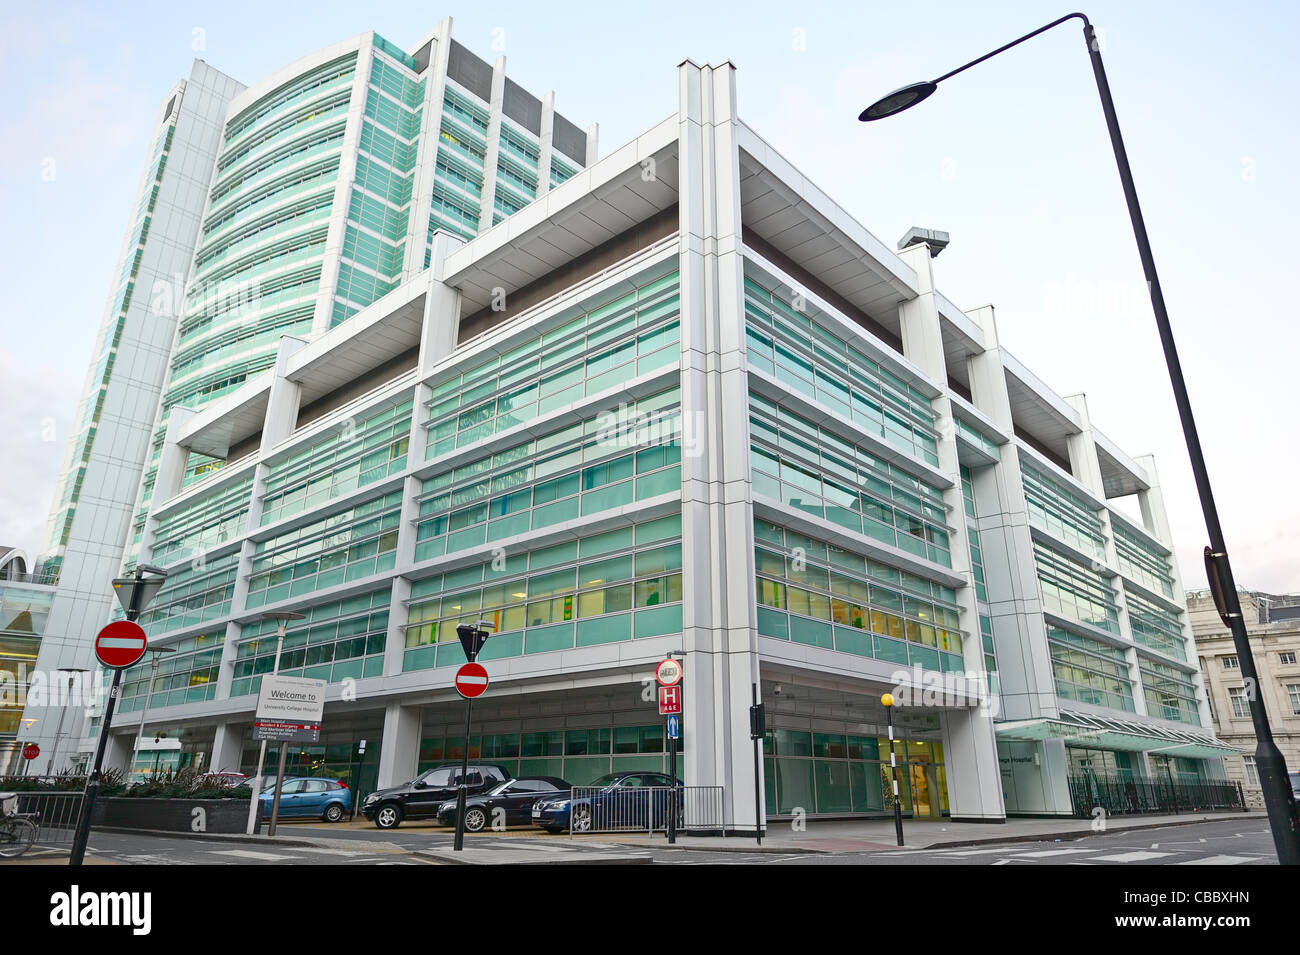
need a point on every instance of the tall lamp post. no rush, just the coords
(1268, 758)
(58, 733)
(144, 710)
(282, 620)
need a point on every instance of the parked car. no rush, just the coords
(421, 797)
(309, 796)
(268, 780)
(225, 780)
(617, 802)
(515, 798)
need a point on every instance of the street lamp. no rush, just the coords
(472, 637)
(1278, 797)
(282, 620)
(887, 701)
(58, 733)
(148, 690)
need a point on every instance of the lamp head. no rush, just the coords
(904, 97)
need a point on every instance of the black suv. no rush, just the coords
(420, 798)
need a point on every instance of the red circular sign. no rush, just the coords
(31, 751)
(668, 672)
(120, 644)
(471, 680)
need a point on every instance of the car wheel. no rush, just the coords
(333, 812)
(581, 819)
(388, 816)
(475, 820)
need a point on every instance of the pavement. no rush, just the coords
(858, 835)
(1221, 838)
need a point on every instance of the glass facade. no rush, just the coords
(1059, 511)
(813, 470)
(187, 675)
(1072, 590)
(582, 469)
(594, 352)
(621, 584)
(1140, 562)
(828, 773)
(808, 358)
(340, 639)
(1089, 671)
(815, 593)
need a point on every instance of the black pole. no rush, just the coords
(893, 767)
(459, 843)
(78, 853)
(758, 767)
(1278, 797)
(279, 784)
(672, 775)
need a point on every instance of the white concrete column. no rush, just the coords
(426, 156)
(441, 315)
(593, 153)
(1156, 520)
(1027, 689)
(170, 476)
(970, 747)
(1085, 467)
(487, 206)
(227, 747)
(281, 418)
(547, 139)
(400, 750)
(720, 634)
(1015, 607)
(342, 204)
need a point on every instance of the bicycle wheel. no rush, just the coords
(16, 837)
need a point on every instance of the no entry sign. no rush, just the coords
(471, 680)
(120, 644)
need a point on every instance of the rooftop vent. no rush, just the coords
(936, 240)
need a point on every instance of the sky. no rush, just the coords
(1011, 158)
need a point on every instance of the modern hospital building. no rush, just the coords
(396, 348)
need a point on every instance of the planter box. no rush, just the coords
(172, 815)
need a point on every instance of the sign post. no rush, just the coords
(289, 709)
(471, 681)
(668, 674)
(282, 620)
(757, 730)
(118, 645)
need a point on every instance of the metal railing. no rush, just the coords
(54, 813)
(1120, 795)
(645, 809)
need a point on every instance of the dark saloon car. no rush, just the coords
(629, 800)
(421, 797)
(514, 798)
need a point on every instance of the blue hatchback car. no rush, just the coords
(311, 797)
(630, 800)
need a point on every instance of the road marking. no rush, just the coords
(333, 852)
(979, 852)
(249, 854)
(1138, 855)
(1218, 860)
(1050, 852)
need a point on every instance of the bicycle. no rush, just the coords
(17, 831)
